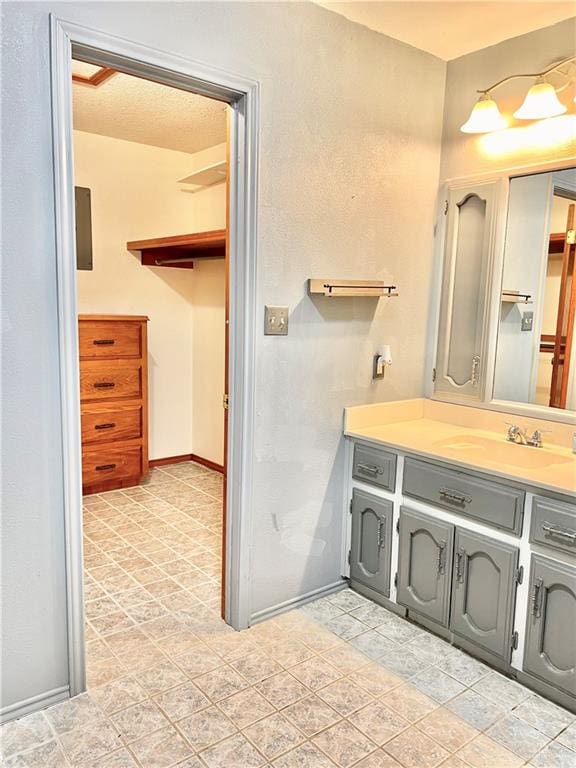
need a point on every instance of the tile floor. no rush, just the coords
(340, 682)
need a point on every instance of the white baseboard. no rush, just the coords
(34, 703)
(296, 602)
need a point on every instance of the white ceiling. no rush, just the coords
(452, 29)
(129, 108)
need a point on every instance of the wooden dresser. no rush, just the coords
(114, 400)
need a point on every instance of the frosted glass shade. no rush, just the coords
(541, 101)
(485, 117)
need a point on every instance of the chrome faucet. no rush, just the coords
(519, 436)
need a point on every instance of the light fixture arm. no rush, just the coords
(545, 72)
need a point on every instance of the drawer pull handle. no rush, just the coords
(104, 385)
(562, 533)
(454, 496)
(370, 469)
(104, 467)
(109, 425)
(459, 566)
(441, 557)
(104, 342)
(537, 597)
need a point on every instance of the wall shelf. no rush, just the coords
(515, 297)
(180, 250)
(345, 287)
(205, 177)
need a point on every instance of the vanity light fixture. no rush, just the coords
(540, 102)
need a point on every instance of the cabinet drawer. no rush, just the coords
(101, 465)
(110, 380)
(374, 466)
(485, 501)
(103, 424)
(554, 524)
(101, 339)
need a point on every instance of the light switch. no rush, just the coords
(275, 321)
(527, 321)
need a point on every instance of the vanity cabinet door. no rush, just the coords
(425, 564)
(460, 363)
(484, 591)
(371, 546)
(550, 648)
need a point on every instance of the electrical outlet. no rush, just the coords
(527, 321)
(275, 321)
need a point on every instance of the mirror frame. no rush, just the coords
(495, 274)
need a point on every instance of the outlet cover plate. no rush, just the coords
(275, 320)
(527, 321)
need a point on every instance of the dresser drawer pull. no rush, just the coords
(370, 469)
(454, 496)
(109, 425)
(104, 385)
(104, 467)
(562, 533)
(380, 543)
(441, 557)
(104, 342)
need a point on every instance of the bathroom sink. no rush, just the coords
(502, 452)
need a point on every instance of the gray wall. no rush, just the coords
(351, 124)
(464, 154)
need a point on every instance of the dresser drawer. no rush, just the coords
(105, 423)
(111, 463)
(497, 505)
(110, 380)
(101, 339)
(554, 524)
(373, 466)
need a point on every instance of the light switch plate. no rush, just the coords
(527, 321)
(275, 321)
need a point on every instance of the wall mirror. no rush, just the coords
(536, 350)
(507, 305)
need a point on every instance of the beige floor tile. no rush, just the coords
(311, 715)
(198, 660)
(375, 679)
(161, 677)
(482, 752)
(235, 752)
(48, 755)
(117, 695)
(379, 722)
(447, 729)
(315, 673)
(221, 683)
(256, 667)
(416, 750)
(344, 744)
(22, 734)
(307, 755)
(86, 745)
(246, 707)
(274, 735)
(282, 690)
(161, 749)
(139, 720)
(409, 702)
(182, 701)
(205, 728)
(345, 696)
(378, 759)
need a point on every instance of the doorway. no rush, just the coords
(71, 42)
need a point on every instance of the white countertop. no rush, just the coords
(471, 438)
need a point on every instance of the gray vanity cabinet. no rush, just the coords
(371, 545)
(424, 565)
(483, 591)
(550, 649)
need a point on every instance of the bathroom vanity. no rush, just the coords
(462, 531)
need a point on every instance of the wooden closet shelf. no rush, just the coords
(180, 250)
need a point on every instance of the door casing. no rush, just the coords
(242, 94)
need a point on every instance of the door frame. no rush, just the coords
(242, 94)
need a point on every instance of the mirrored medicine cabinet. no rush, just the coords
(507, 300)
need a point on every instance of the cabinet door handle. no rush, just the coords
(459, 566)
(108, 425)
(441, 557)
(104, 342)
(104, 384)
(537, 597)
(104, 467)
(369, 469)
(562, 533)
(454, 496)
(380, 534)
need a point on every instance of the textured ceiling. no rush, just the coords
(129, 108)
(452, 29)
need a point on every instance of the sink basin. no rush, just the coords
(502, 452)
